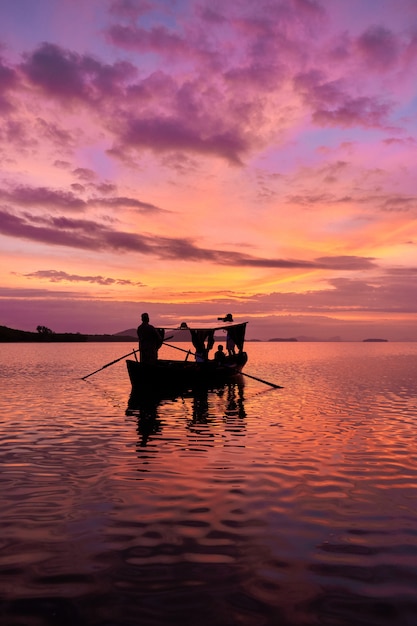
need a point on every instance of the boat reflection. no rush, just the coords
(206, 405)
(231, 395)
(145, 408)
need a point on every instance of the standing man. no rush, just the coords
(149, 341)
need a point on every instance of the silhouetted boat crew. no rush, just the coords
(167, 374)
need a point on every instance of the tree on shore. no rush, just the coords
(44, 330)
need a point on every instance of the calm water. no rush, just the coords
(251, 506)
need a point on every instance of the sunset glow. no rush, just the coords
(192, 158)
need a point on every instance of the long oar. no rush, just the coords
(108, 364)
(115, 361)
(261, 380)
(243, 373)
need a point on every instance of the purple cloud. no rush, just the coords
(85, 174)
(106, 188)
(406, 141)
(55, 276)
(125, 202)
(363, 111)
(346, 262)
(57, 135)
(379, 48)
(7, 77)
(57, 72)
(69, 76)
(333, 106)
(44, 197)
(50, 198)
(265, 77)
(62, 165)
(157, 39)
(399, 204)
(85, 234)
(131, 9)
(175, 134)
(160, 113)
(8, 81)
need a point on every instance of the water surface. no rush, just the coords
(248, 505)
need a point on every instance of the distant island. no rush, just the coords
(283, 339)
(375, 339)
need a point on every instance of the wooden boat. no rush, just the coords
(198, 367)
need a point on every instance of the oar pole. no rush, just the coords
(116, 361)
(261, 380)
(177, 348)
(108, 364)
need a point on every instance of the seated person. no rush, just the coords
(219, 355)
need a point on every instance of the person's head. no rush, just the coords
(145, 318)
(220, 348)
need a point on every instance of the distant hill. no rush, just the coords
(12, 335)
(283, 339)
(130, 332)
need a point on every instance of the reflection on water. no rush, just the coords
(230, 397)
(240, 505)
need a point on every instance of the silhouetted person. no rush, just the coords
(219, 355)
(149, 341)
(230, 345)
(201, 355)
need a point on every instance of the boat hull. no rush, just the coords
(166, 375)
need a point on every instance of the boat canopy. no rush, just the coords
(201, 332)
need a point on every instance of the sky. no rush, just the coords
(194, 158)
